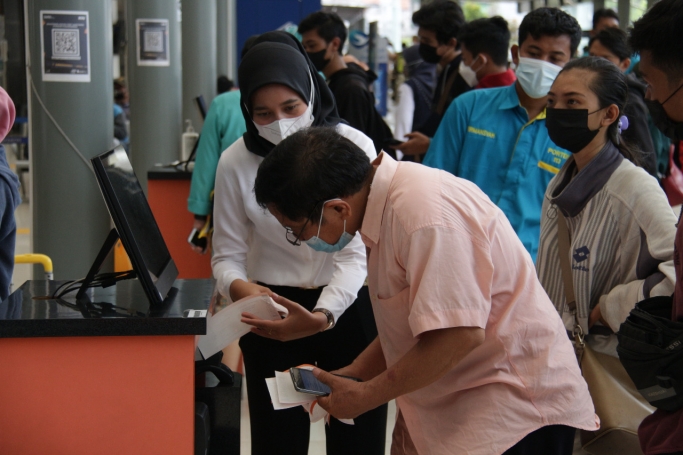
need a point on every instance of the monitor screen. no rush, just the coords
(135, 223)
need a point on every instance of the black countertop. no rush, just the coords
(169, 173)
(121, 310)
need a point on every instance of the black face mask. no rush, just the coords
(318, 59)
(428, 53)
(568, 128)
(672, 130)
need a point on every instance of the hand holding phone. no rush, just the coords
(195, 240)
(305, 382)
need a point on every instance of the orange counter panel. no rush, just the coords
(168, 200)
(97, 395)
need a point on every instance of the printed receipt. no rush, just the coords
(283, 395)
(225, 326)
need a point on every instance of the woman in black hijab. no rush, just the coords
(331, 321)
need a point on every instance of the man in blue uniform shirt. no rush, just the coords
(497, 137)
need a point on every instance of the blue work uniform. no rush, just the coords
(224, 124)
(486, 137)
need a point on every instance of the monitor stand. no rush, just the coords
(107, 246)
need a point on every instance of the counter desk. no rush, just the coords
(108, 377)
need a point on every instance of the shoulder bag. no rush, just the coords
(617, 401)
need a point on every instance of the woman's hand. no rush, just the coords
(240, 289)
(417, 144)
(299, 323)
(199, 225)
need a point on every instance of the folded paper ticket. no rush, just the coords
(284, 396)
(225, 326)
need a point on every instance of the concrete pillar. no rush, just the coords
(598, 4)
(155, 91)
(624, 13)
(222, 38)
(199, 56)
(70, 220)
(233, 51)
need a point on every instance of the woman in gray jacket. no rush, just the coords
(620, 224)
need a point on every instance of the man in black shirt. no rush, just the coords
(439, 23)
(323, 36)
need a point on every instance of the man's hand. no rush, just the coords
(240, 289)
(299, 323)
(417, 144)
(595, 316)
(348, 399)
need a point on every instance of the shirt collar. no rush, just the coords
(511, 101)
(510, 98)
(573, 193)
(379, 192)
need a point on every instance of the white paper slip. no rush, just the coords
(225, 326)
(284, 396)
(272, 389)
(286, 391)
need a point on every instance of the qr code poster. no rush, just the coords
(152, 42)
(65, 46)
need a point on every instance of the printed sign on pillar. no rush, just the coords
(65, 46)
(152, 42)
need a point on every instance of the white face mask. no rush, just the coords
(468, 74)
(277, 131)
(536, 76)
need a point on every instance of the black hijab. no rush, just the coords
(279, 58)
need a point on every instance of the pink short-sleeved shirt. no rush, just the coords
(440, 255)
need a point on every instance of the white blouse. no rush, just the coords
(248, 242)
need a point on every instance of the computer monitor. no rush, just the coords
(135, 223)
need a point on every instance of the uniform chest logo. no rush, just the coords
(580, 255)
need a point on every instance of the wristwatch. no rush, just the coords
(328, 314)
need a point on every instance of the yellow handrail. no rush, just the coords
(36, 259)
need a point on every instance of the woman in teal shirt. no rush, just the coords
(224, 124)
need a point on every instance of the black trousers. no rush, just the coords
(548, 440)
(287, 431)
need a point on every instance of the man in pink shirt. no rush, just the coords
(469, 344)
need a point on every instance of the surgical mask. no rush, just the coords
(671, 129)
(536, 76)
(428, 53)
(468, 74)
(318, 59)
(568, 128)
(277, 131)
(319, 244)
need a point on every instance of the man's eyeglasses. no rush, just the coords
(295, 239)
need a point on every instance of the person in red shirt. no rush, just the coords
(484, 44)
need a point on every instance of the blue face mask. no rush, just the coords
(320, 245)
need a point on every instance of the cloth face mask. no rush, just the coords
(671, 129)
(568, 128)
(318, 59)
(428, 53)
(536, 76)
(320, 245)
(468, 74)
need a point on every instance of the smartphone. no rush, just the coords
(196, 240)
(305, 382)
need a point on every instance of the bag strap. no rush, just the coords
(441, 105)
(565, 266)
